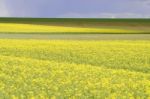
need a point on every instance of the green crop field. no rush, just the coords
(74, 69)
(79, 26)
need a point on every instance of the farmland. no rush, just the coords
(42, 58)
(74, 69)
(74, 26)
(30, 28)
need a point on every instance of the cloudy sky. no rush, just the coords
(75, 8)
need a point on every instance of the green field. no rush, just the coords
(74, 69)
(79, 26)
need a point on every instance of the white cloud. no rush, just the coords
(3, 9)
(105, 15)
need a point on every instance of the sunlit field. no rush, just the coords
(74, 26)
(74, 69)
(74, 58)
(33, 28)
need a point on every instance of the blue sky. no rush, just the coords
(75, 8)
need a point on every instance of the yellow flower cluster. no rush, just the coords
(43, 69)
(33, 28)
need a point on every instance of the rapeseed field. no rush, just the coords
(43, 69)
(33, 28)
